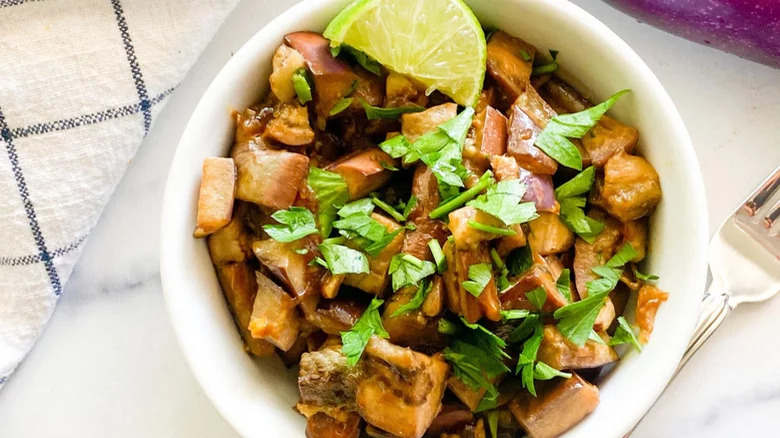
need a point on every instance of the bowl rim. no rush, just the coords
(674, 348)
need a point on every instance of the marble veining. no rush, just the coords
(108, 363)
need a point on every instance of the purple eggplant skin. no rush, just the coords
(747, 28)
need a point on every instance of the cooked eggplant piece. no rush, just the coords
(370, 88)
(631, 187)
(333, 78)
(330, 285)
(363, 171)
(290, 125)
(539, 189)
(239, 287)
(416, 241)
(400, 390)
(523, 132)
(434, 302)
(487, 304)
(605, 317)
(268, 178)
(468, 396)
(509, 63)
(215, 200)
(635, 233)
(549, 235)
(562, 97)
(539, 275)
(400, 92)
(559, 353)
(451, 285)
(587, 256)
(375, 282)
(252, 122)
(487, 98)
(413, 328)
(451, 418)
(274, 316)
(607, 138)
(559, 405)
(425, 187)
(467, 237)
(325, 379)
(490, 132)
(322, 425)
(289, 267)
(230, 244)
(336, 315)
(508, 243)
(535, 107)
(285, 63)
(647, 302)
(505, 167)
(415, 125)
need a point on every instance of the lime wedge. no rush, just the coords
(437, 42)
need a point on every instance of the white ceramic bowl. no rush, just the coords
(256, 396)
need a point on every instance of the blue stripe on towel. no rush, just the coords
(21, 185)
(36, 258)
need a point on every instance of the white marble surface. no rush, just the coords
(108, 364)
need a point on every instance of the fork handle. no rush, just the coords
(716, 306)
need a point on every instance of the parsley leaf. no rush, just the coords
(362, 225)
(331, 192)
(480, 275)
(438, 256)
(525, 362)
(302, 85)
(573, 215)
(361, 58)
(542, 371)
(407, 270)
(341, 105)
(447, 327)
(419, 297)
(624, 334)
(537, 297)
(578, 185)
(297, 222)
(409, 206)
(375, 112)
(361, 206)
(553, 138)
(354, 340)
(525, 328)
(504, 201)
(397, 146)
(624, 255)
(476, 356)
(593, 336)
(645, 277)
(519, 260)
(502, 282)
(342, 260)
(507, 315)
(563, 284)
(374, 248)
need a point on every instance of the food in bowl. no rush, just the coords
(408, 239)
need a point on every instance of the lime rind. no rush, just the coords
(440, 43)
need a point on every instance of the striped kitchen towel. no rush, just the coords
(81, 82)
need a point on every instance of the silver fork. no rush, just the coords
(744, 260)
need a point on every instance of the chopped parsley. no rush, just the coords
(417, 301)
(438, 256)
(537, 297)
(504, 201)
(341, 105)
(508, 315)
(624, 334)
(361, 58)
(542, 371)
(408, 270)
(340, 259)
(375, 112)
(302, 85)
(571, 197)
(477, 356)
(297, 222)
(331, 192)
(527, 358)
(480, 275)
(563, 284)
(354, 340)
(361, 206)
(645, 277)
(387, 208)
(519, 260)
(554, 138)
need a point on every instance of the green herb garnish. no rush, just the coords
(537, 297)
(504, 201)
(340, 259)
(375, 112)
(438, 256)
(387, 208)
(519, 260)
(563, 284)
(624, 334)
(491, 229)
(485, 181)
(408, 270)
(297, 222)
(331, 192)
(354, 340)
(480, 275)
(302, 85)
(417, 301)
(542, 371)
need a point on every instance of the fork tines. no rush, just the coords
(758, 216)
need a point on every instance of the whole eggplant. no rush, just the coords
(747, 28)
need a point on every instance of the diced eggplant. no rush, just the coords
(451, 418)
(523, 132)
(322, 425)
(400, 92)
(559, 353)
(562, 97)
(425, 187)
(490, 128)
(230, 244)
(375, 282)
(647, 303)
(505, 167)
(289, 267)
(487, 98)
(239, 287)
(268, 177)
(370, 88)
(330, 285)
(336, 315)
(631, 187)
(539, 189)
(507, 244)
(416, 241)
(587, 256)
(400, 390)
(325, 379)
(467, 237)
(549, 235)
(434, 302)
(215, 200)
(468, 396)
(605, 317)
(509, 63)
(607, 138)
(554, 265)
(635, 233)
(285, 63)
(451, 286)
(363, 171)
(559, 405)
(487, 304)
(290, 125)
(532, 104)
(539, 275)
(252, 122)
(415, 125)
(274, 317)
(413, 328)
(333, 78)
